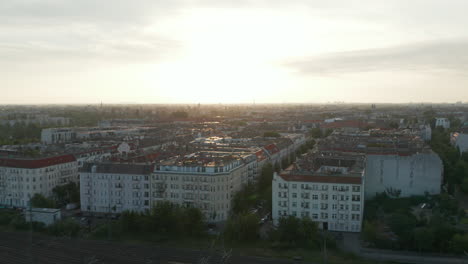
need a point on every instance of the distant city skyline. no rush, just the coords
(224, 51)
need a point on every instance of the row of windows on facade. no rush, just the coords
(323, 206)
(217, 169)
(188, 196)
(192, 178)
(164, 178)
(315, 187)
(323, 196)
(165, 186)
(33, 179)
(41, 170)
(323, 216)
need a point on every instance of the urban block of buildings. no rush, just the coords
(328, 187)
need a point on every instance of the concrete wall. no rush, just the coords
(413, 175)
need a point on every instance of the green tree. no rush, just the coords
(68, 193)
(297, 232)
(271, 134)
(460, 243)
(369, 232)
(40, 201)
(316, 133)
(242, 228)
(424, 238)
(464, 185)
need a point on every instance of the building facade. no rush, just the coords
(115, 187)
(442, 122)
(206, 182)
(329, 190)
(20, 179)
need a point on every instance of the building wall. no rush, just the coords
(114, 193)
(336, 207)
(413, 175)
(17, 185)
(43, 215)
(54, 136)
(443, 122)
(210, 192)
(461, 141)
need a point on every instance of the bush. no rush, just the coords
(67, 227)
(242, 228)
(297, 232)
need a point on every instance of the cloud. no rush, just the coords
(426, 56)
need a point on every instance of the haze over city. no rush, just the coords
(232, 51)
(233, 131)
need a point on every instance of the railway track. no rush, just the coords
(15, 248)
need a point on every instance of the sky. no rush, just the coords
(233, 51)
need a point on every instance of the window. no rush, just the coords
(324, 187)
(356, 207)
(294, 204)
(294, 186)
(294, 195)
(314, 196)
(356, 188)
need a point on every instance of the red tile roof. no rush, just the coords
(272, 149)
(260, 155)
(36, 163)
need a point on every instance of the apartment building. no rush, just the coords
(397, 162)
(204, 180)
(327, 187)
(21, 178)
(57, 135)
(115, 187)
(442, 122)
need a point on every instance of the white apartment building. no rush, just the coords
(460, 140)
(327, 187)
(20, 179)
(443, 122)
(115, 187)
(200, 180)
(57, 135)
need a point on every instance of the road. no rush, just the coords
(16, 248)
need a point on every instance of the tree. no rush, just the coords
(424, 238)
(316, 133)
(403, 224)
(244, 199)
(369, 232)
(40, 201)
(271, 134)
(265, 177)
(242, 228)
(297, 232)
(68, 193)
(464, 185)
(460, 243)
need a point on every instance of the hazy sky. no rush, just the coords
(230, 51)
